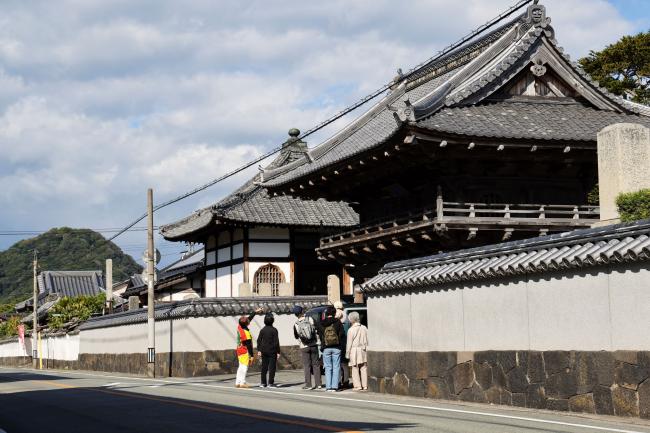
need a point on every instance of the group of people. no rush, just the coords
(325, 338)
(338, 349)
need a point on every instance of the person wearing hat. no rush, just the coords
(268, 348)
(245, 354)
(304, 330)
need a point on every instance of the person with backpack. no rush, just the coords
(331, 335)
(245, 354)
(268, 348)
(304, 331)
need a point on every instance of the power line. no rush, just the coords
(39, 232)
(520, 4)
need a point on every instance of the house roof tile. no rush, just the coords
(577, 249)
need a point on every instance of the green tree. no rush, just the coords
(634, 206)
(79, 307)
(623, 67)
(10, 327)
(60, 249)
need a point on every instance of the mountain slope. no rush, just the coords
(60, 249)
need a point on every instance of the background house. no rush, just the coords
(261, 244)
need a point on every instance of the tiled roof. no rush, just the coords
(528, 118)
(183, 267)
(482, 69)
(577, 249)
(71, 283)
(207, 307)
(251, 204)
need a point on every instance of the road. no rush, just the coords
(69, 402)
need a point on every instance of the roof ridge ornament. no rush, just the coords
(536, 17)
(538, 69)
(406, 113)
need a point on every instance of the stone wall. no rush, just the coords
(181, 364)
(607, 383)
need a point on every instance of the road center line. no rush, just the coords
(371, 402)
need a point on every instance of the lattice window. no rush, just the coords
(268, 274)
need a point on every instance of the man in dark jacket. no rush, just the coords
(268, 346)
(331, 337)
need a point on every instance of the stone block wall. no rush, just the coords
(180, 364)
(607, 383)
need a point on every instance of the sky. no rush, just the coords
(100, 100)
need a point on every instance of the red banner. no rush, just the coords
(21, 335)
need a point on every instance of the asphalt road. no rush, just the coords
(55, 401)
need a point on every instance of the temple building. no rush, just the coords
(256, 244)
(493, 141)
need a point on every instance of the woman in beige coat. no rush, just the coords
(356, 352)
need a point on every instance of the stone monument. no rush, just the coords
(623, 165)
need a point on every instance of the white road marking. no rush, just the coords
(371, 402)
(111, 384)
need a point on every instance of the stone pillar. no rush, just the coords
(623, 164)
(333, 288)
(265, 289)
(134, 303)
(245, 290)
(285, 289)
(358, 296)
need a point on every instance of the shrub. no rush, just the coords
(80, 307)
(634, 206)
(10, 327)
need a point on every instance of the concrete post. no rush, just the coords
(285, 289)
(245, 290)
(265, 289)
(333, 288)
(623, 165)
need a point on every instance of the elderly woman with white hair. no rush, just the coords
(356, 351)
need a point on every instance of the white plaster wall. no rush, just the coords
(183, 335)
(237, 251)
(211, 283)
(492, 312)
(237, 278)
(64, 347)
(211, 258)
(224, 290)
(11, 348)
(437, 321)
(629, 297)
(389, 326)
(596, 309)
(260, 249)
(568, 312)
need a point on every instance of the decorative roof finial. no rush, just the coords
(294, 132)
(536, 17)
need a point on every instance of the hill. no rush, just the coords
(59, 249)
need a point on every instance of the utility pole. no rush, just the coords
(151, 254)
(35, 318)
(109, 286)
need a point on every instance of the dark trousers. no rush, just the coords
(269, 363)
(310, 363)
